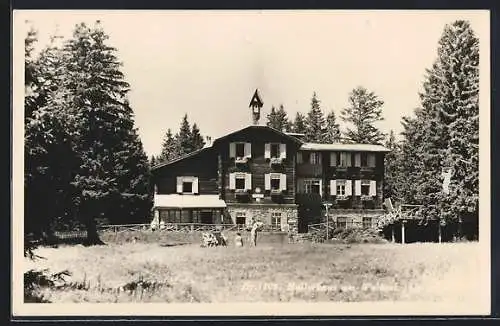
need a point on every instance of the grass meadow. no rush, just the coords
(271, 272)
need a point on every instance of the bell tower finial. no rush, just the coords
(256, 104)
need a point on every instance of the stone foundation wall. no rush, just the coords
(263, 213)
(354, 217)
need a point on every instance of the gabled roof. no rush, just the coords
(256, 100)
(159, 165)
(282, 134)
(343, 147)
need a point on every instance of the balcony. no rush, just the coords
(310, 170)
(276, 195)
(275, 161)
(242, 195)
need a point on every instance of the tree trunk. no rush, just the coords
(92, 235)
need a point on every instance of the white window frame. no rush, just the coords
(276, 219)
(194, 185)
(308, 183)
(365, 182)
(240, 214)
(341, 187)
(240, 176)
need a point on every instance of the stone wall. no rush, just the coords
(263, 213)
(354, 217)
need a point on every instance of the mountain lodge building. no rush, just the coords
(260, 173)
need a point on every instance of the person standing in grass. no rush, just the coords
(238, 240)
(253, 233)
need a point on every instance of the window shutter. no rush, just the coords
(283, 181)
(248, 181)
(319, 159)
(232, 150)
(232, 181)
(348, 159)
(283, 151)
(248, 149)
(357, 188)
(267, 150)
(195, 185)
(333, 187)
(373, 188)
(299, 158)
(371, 160)
(179, 185)
(357, 160)
(267, 181)
(333, 159)
(348, 187)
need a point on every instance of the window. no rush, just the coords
(364, 159)
(315, 158)
(240, 218)
(312, 186)
(299, 158)
(275, 150)
(367, 222)
(343, 159)
(240, 149)
(187, 187)
(276, 219)
(275, 183)
(342, 222)
(240, 182)
(365, 187)
(341, 188)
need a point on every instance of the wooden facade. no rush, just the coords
(261, 169)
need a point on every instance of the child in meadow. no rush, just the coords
(238, 240)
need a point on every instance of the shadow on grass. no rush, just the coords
(174, 244)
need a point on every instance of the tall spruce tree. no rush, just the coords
(392, 174)
(332, 129)
(114, 168)
(364, 110)
(49, 146)
(271, 118)
(184, 137)
(299, 124)
(278, 119)
(196, 137)
(451, 94)
(170, 148)
(315, 122)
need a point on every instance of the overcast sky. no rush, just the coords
(208, 64)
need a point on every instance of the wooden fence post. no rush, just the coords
(403, 231)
